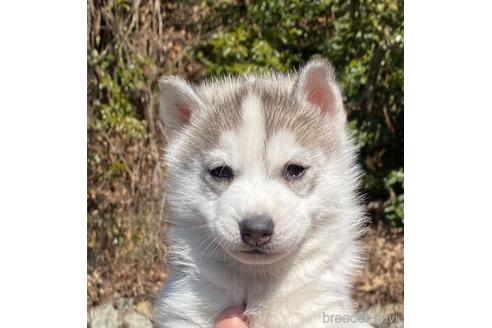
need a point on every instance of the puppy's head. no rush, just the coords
(257, 165)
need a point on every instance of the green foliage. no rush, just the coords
(114, 82)
(233, 51)
(364, 41)
(394, 206)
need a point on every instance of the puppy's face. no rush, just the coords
(251, 163)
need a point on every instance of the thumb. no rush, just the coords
(231, 318)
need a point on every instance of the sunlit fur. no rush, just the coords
(256, 125)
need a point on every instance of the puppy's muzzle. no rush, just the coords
(256, 230)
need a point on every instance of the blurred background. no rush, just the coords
(130, 44)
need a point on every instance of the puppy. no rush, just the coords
(263, 195)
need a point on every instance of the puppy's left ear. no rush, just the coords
(317, 87)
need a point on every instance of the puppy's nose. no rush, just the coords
(256, 230)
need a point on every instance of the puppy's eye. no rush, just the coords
(294, 171)
(221, 173)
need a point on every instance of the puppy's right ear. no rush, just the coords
(178, 102)
(317, 87)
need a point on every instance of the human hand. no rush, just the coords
(231, 318)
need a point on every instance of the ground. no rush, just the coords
(381, 280)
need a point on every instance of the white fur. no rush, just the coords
(314, 244)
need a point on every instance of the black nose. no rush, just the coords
(256, 230)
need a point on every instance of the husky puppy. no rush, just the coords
(263, 195)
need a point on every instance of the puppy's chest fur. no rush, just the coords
(280, 298)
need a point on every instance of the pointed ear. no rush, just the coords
(317, 86)
(178, 102)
